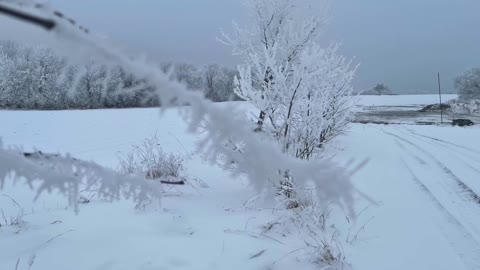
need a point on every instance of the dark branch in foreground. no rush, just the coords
(48, 24)
(42, 22)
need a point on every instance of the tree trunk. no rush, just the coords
(290, 111)
(261, 121)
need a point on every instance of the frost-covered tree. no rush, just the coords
(188, 74)
(310, 104)
(381, 89)
(9, 48)
(30, 79)
(4, 66)
(326, 105)
(219, 83)
(46, 70)
(303, 91)
(214, 80)
(279, 32)
(468, 85)
(91, 89)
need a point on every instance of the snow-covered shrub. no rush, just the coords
(468, 85)
(149, 160)
(312, 223)
(287, 194)
(323, 245)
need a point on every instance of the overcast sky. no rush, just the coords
(402, 43)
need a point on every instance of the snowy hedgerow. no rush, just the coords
(468, 107)
(29, 78)
(43, 81)
(38, 78)
(468, 85)
(215, 81)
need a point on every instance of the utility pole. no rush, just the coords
(440, 96)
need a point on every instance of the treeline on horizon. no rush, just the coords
(36, 78)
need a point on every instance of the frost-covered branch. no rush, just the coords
(279, 31)
(47, 173)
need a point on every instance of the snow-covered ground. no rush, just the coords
(423, 178)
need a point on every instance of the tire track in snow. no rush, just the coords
(449, 147)
(458, 204)
(419, 159)
(468, 249)
(444, 141)
(465, 188)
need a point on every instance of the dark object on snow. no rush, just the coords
(38, 154)
(462, 122)
(435, 108)
(256, 255)
(83, 200)
(178, 183)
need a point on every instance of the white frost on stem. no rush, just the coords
(47, 173)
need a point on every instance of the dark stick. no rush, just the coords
(178, 183)
(42, 22)
(440, 95)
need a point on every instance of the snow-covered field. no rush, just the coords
(405, 109)
(402, 100)
(423, 178)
